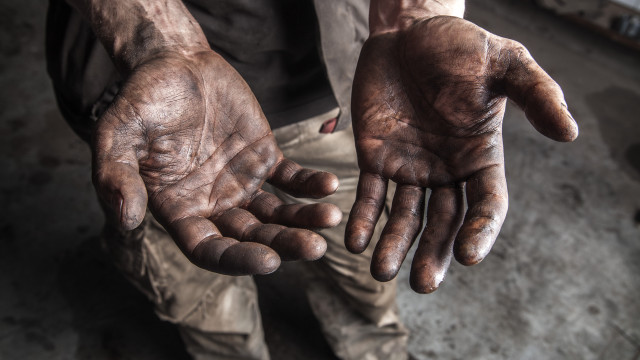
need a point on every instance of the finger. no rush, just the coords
(539, 96)
(121, 188)
(399, 233)
(203, 244)
(488, 202)
(115, 169)
(289, 243)
(300, 182)
(435, 249)
(370, 196)
(270, 209)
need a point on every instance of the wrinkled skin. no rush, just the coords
(187, 134)
(428, 104)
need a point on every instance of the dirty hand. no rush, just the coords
(187, 134)
(428, 103)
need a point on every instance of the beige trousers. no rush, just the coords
(218, 315)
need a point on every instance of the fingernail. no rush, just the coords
(126, 222)
(120, 206)
(569, 115)
(565, 108)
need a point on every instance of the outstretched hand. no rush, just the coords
(428, 104)
(186, 135)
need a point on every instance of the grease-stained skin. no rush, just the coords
(187, 134)
(428, 104)
(186, 137)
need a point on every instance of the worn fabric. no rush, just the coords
(297, 68)
(218, 315)
(81, 71)
(357, 314)
(343, 30)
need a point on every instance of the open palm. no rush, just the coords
(428, 104)
(186, 134)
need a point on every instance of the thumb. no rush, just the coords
(121, 188)
(538, 95)
(115, 168)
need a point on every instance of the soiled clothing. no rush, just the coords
(298, 56)
(218, 315)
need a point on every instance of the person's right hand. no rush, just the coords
(186, 133)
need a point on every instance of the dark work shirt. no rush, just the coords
(298, 56)
(273, 44)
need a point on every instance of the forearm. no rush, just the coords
(393, 15)
(134, 30)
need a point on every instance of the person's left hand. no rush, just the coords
(428, 104)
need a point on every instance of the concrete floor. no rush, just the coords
(563, 281)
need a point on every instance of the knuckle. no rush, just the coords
(518, 51)
(516, 46)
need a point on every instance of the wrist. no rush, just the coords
(133, 31)
(396, 15)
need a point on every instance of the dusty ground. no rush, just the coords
(563, 281)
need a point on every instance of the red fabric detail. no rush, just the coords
(328, 126)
